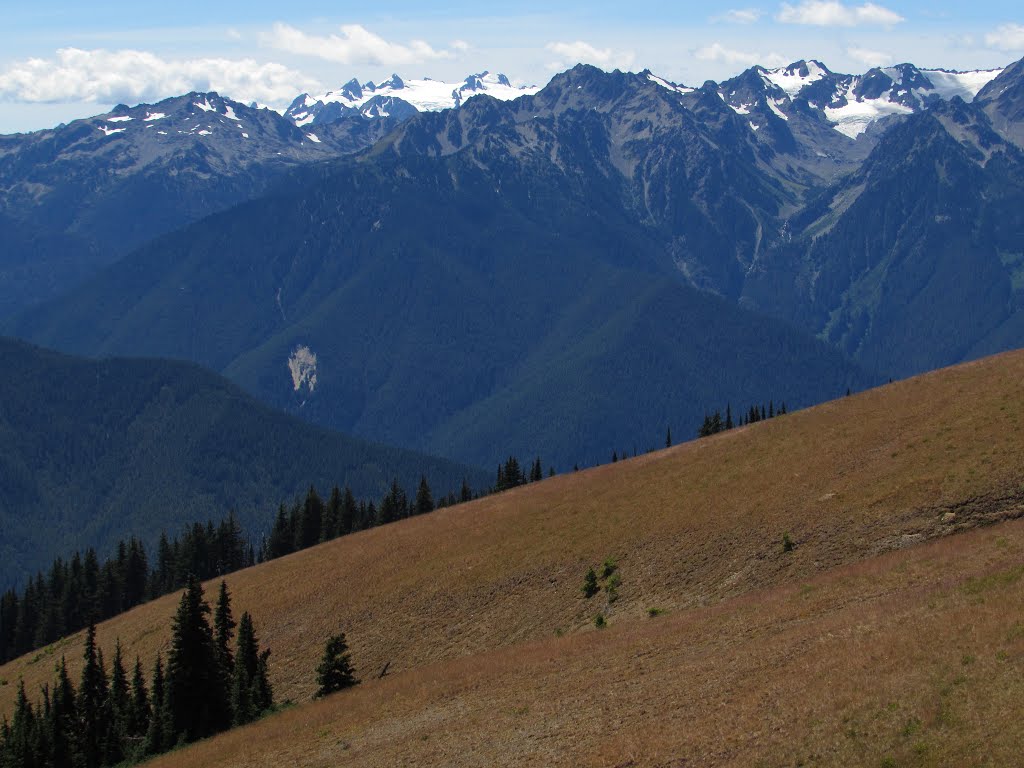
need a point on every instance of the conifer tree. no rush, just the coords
(465, 493)
(668, 437)
(63, 717)
(197, 704)
(224, 630)
(424, 499)
(92, 703)
(117, 711)
(332, 516)
(157, 734)
(349, 513)
(251, 693)
(335, 671)
(140, 710)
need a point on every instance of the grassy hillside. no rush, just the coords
(851, 648)
(93, 451)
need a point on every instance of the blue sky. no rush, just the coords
(62, 60)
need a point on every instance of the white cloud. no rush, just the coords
(869, 57)
(740, 16)
(1008, 37)
(106, 77)
(720, 53)
(832, 13)
(354, 45)
(580, 52)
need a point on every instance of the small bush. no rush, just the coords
(600, 622)
(653, 612)
(608, 568)
(787, 543)
(611, 587)
(590, 587)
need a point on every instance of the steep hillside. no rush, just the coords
(94, 451)
(813, 656)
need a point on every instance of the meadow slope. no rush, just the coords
(828, 653)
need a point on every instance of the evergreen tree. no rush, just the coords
(424, 499)
(728, 416)
(63, 720)
(22, 741)
(197, 704)
(157, 740)
(335, 671)
(332, 516)
(465, 493)
(139, 711)
(92, 695)
(668, 437)
(251, 693)
(349, 513)
(224, 629)
(117, 711)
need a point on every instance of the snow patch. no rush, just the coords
(668, 84)
(111, 131)
(773, 105)
(205, 105)
(854, 117)
(963, 84)
(206, 133)
(122, 119)
(150, 116)
(302, 366)
(229, 113)
(313, 137)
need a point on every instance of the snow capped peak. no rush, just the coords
(424, 95)
(796, 76)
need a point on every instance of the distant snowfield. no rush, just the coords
(425, 95)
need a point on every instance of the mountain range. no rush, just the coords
(571, 271)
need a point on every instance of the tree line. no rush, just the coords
(715, 422)
(82, 589)
(214, 679)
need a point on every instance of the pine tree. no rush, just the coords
(728, 416)
(349, 513)
(332, 516)
(139, 710)
(92, 695)
(22, 739)
(251, 693)
(668, 437)
(224, 627)
(157, 733)
(590, 587)
(424, 499)
(335, 671)
(117, 711)
(465, 493)
(197, 702)
(63, 717)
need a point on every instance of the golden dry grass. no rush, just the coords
(914, 657)
(468, 592)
